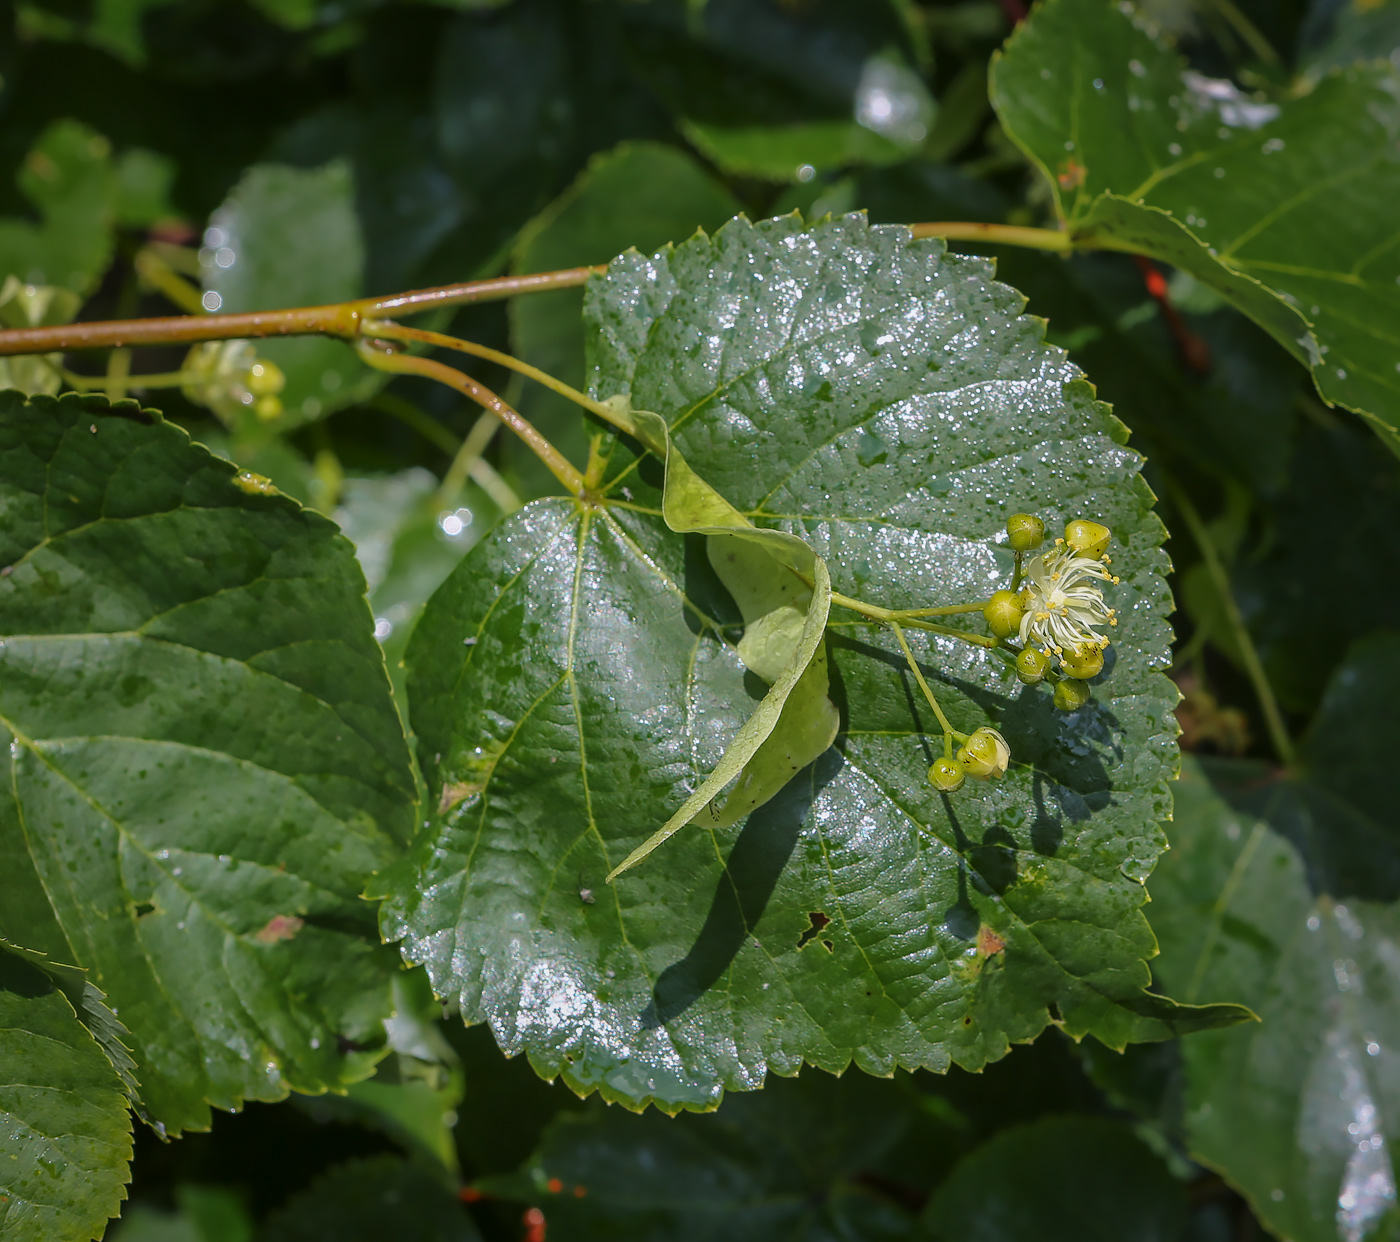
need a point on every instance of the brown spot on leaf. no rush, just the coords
(279, 927)
(453, 793)
(988, 942)
(1071, 174)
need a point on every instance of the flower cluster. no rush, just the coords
(228, 377)
(1054, 611)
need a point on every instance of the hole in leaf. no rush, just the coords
(143, 908)
(817, 920)
(828, 946)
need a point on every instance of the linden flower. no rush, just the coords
(1063, 604)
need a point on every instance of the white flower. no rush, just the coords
(1063, 604)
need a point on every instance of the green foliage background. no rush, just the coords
(211, 766)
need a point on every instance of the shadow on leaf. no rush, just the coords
(751, 873)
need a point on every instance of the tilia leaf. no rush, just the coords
(65, 1130)
(881, 407)
(204, 762)
(1285, 207)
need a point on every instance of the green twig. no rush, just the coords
(923, 685)
(409, 364)
(892, 616)
(1253, 666)
(389, 330)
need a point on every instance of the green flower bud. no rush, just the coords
(267, 408)
(1087, 538)
(1003, 613)
(1071, 695)
(985, 754)
(265, 379)
(1025, 531)
(1083, 664)
(947, 775)
(1032, 665)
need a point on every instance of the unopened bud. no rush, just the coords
(1003, 613)
(1071, 695)
(1025, 532)
(265, 379)
(947, 775)
(985, 754)
(1083, 664)
(1032, 665)
(1087, 538)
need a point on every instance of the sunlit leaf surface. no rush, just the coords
(574, 680)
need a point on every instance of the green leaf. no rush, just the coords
(1359, 32)
(203, 1214)
(1281, 891)
(788, 1162)
(639, 194)
(765, 91)
(1283, 208)
(290, 237)
(205, 764)
(370, 1200)
(144, 182)
(790, 152)
(570, 689)
(399, 524)
(69, 178)
(1064, 1179)
(65, 1137)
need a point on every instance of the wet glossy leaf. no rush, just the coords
(205, 765)
(1280, 891)
(1284, 208)
(370, 1200)
(572, 683)
(799, 1160)
(65, 1129)
(1064, 1179)
(290, 237)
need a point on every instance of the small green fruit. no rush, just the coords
(1071, 695)
(1083, 664)
(1003, 613)
(947, 775)
(985, 754)
(1087, 538)
(1032, 665)
(1025, 531)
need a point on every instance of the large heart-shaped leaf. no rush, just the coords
(571, 686)
(1285, 208)
(1280, 890)
(204, 761)
(65, 1130)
